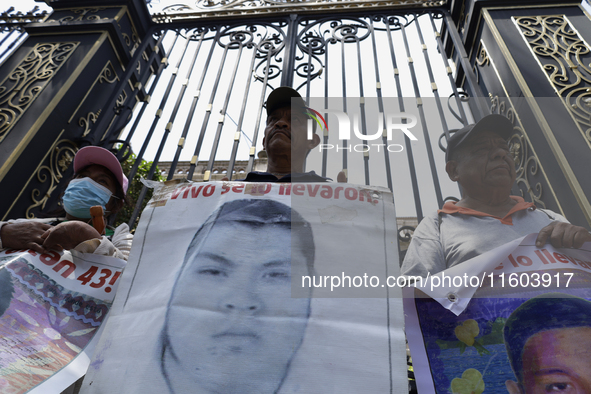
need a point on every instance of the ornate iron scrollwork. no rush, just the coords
(463, 97)
(82, 14)
(268, 48)
(11, 20)
(60, 159)
(107, 72)
(526, 164)
(268, 40)
(236, 37)
(564, 57)
(405, 233)
(120, 100)
(28, 79)
(222, 8)
(482, 59)
(126, 38)
(314, 38)
(497, 106)
(85, 121)
(128, 41)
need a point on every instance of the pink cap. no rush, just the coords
(90, 155)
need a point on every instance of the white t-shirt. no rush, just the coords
(443, 240)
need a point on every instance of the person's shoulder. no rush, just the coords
(309, 177)
(553, 216)
(429, 227)
(425, 253)
(432, 219)
(258, 176)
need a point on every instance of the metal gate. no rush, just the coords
(201, 112)
(206, 107)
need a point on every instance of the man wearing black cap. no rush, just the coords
(487, 216)
(285, 140)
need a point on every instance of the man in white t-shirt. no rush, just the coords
(487, 216)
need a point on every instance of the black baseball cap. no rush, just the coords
(281, 97)
(495, 123)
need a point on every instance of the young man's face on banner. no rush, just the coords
(557, 361)
(233, 325)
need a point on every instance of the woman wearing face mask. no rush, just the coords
(98, 180)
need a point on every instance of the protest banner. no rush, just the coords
(257, 288)
(514, 318)
(52, 307)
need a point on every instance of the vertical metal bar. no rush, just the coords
(218, 133)
(439, 107)
(473, 87)
(142, 195)
(290, 50)
(325, 134)
(12, 44)
(308, 80)
(158, 74)
(155, 121)
(105, 122)
(344, 88)
(415, 84)
(308, 77)
(181, 143)
(258, 121)
(230, 170)
(434, 85)
(362, 110)
(6, 36)
(408, 147)
(209, 109)
(381, 105)
(189, 120)
(452, 82)
(141, 112)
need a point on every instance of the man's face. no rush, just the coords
(558, 361)
(484, 161)
(232, 322)
(286, 134)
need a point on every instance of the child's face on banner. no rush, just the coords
(558, 361)
(232, 322)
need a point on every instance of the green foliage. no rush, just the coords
(135, 188)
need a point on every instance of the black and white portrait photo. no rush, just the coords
(214, 297)
(233, 299)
